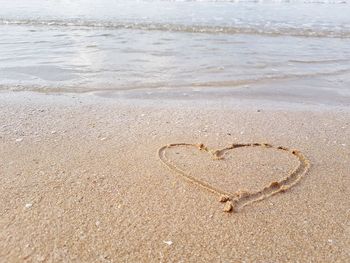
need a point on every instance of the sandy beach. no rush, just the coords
(175, 131)
(81, 181)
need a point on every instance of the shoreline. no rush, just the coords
(81, 180)
(296, 95)
(184, 98)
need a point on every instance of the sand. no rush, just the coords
(81, 181)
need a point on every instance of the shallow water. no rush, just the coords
(87, 45)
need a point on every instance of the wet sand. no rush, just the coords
(81, 181)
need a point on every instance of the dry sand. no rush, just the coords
(81, 181)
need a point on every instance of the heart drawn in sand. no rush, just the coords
(234, 201)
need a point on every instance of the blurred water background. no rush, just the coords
(286, 47)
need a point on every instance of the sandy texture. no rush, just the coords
(81, 181)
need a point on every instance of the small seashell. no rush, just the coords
(228, 206)
(169, 242)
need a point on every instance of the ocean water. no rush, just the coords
(282, 47)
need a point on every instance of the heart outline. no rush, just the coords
(237, 200)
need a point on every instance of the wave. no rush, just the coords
(343, 32)
(326, 61)
(160, 86)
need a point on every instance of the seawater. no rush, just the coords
(88, 45)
